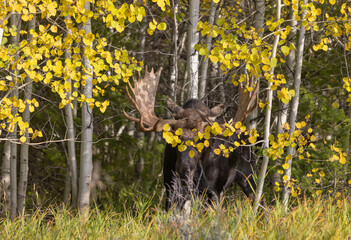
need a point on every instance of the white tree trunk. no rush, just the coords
(283, 107)
(204, 65)
(1, 34)
(260, 7)
(185, 76)
(5, 165)
(5, 176)
(267, 123)
(86, 163)
(173, 78)
(193, 55)
(290, 63)
(23, 179)
(15, 20)
(295, 102)
(72, 161)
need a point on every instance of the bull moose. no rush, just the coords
(205, 173)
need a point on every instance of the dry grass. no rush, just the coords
(310, 219)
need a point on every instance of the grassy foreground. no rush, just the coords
(308, 220)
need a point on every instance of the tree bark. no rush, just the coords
(15, 20)
(193, 55)
(283, 107)
(71, 143)
(259, 22)
(173, 78)
(23, 179)
(259, 191)
(6, 160)
(1, 34)
(295, 103)
(86, 162)
(204, 65)
(5, 177)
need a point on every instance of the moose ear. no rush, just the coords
(173, 107)
(216, 111)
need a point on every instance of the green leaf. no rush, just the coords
(203, 51)
(285, 50)
(162, 26)
(273, 62)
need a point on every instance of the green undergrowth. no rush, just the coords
(309, 219)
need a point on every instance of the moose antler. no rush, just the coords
(248, 100)
(144, 92)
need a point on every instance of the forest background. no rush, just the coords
(64, 67)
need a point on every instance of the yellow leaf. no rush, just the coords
(238, 125)
(41, 28)
(285, 165)
(179, 131)
(150, 31)
(217, 151)
(262, 105)
(168, 136)
(182, 148)
(285, 50)
(31, 108)
(25, 18)
(202, 51)
(342, 158)
(162, 26)
(216, 1)
(191, 153)
(273, 62)
(313, 138)
(166, 127)
(200, 146)
(31, 8)
(237, 144)
(53, 28)
(252, 139)
(152, 25)
(332, 2)
(23, 139)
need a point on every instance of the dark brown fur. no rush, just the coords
(206, 173)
